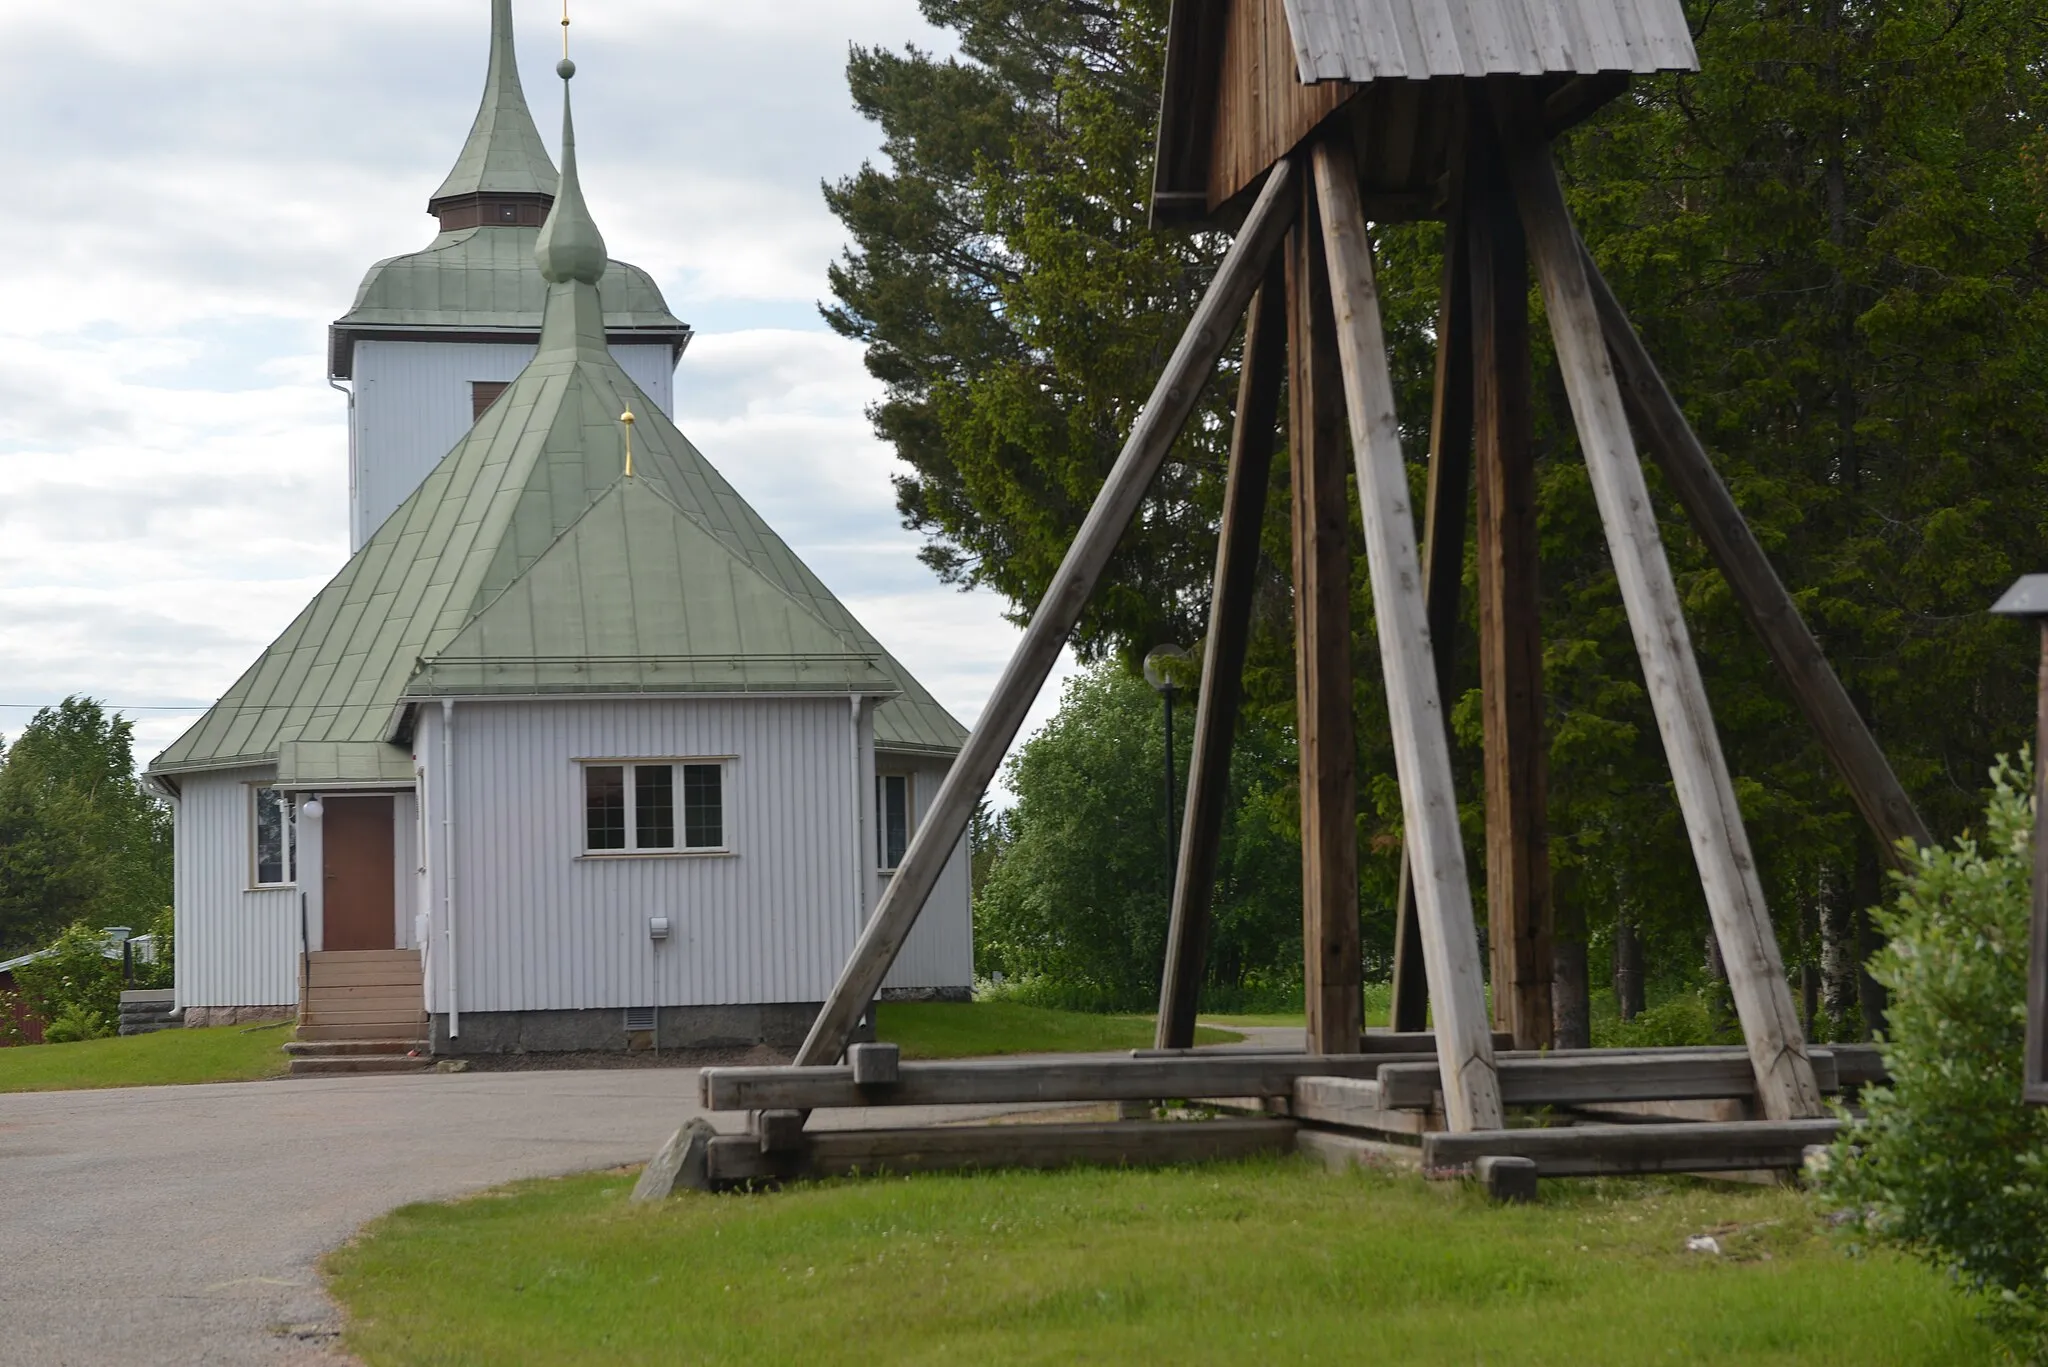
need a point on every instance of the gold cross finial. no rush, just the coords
(627, 418)
(565, 30)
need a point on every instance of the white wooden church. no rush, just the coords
(573, 753)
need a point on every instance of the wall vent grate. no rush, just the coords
(639, 1018)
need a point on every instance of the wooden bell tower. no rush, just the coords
(1304, 123)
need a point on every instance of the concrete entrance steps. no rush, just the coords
(361, 1011)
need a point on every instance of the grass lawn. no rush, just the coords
(1261, 1262)
(977, 1029)
(227, 1053)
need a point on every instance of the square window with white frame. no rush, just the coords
(654, 807)
(276, 842)
(893, 819)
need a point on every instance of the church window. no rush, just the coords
(892, 830)
(653, 808)
(277, 837)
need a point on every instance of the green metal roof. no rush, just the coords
(504, 154)
(528, 563)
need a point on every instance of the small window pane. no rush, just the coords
(894, 830)
(274, 838)
(704, 806)
(604, 807)
(654, 807)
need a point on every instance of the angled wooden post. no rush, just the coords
(1123, 492)
(1758, 591)
(1443, 562)
(1735, 900)
(1230, 618)
(1518, 903)
(1332, 977)
(1421, 746)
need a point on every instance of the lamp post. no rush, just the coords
(1166, 669)
(2028, 599)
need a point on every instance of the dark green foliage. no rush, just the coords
(80, 839)
(1832, 239)
(1951, 1164)
(76, 989)
(1077, 904)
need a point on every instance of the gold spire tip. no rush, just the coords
(565, 29)
(627, 419)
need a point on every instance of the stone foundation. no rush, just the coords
(147, 1011)
(927, 994)
(778, 1025)
(199, 1017)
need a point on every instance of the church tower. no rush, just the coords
(436, 335)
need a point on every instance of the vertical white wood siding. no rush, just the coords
(413, 403)
(236, 946)
(940, 950)
(539, 928)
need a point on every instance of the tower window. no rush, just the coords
(482, 394)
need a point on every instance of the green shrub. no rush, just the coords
(76, 1023)
(77, 977)
(1951, 1164)
(1687, 1016)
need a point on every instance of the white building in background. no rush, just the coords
(574, 752)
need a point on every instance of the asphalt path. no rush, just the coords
(184, 1225)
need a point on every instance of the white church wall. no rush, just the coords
(237, 945)
(405, 860)
(413, 403)
(539, 926)
(940, 949)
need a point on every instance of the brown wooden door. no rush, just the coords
(357, 873)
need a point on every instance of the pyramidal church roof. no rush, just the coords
(556, 550)
(477, 277)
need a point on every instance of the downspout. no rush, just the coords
(355, 538)
(860, 899)
(448, 860)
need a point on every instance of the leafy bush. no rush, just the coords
(76, 980)
(1951, 1164)
(1687, 1016)
(75, 1023)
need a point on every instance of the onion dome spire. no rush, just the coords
(570, 246)
(504, 158)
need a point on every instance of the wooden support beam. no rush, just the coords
(1549, 1080)
(1123, 492)
(1354, 1104)
(1443, 561)
(1332, 976)
(1421, 746)
(997, 1081)
(1597, 1150)
(1735, 899)
(1758, 591)
(1518, 905)
(1142, 1143)
(1230, 620)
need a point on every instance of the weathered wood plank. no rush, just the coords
(1230, 617)
(1758, 591)
(1123, 492)
(1578, 1079)
(1735, 899)
(988, 1081)
(1333, 978)
(1443, 559)
(1353, 1103)
(1338, 1151)
(1518, 905)
(1141, 1143)
(1596, 1150)
(1421, 748)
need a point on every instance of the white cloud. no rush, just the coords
(196, 192)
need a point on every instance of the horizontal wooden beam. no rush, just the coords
(1598, 1150)
(997, 1081)
(1572, 1081)
(1140, 1143)
(1353, 1104)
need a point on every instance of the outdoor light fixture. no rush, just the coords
(2028, 599)
(657, 927)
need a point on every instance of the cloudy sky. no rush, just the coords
(194, 192)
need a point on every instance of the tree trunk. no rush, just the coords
(1837, 958)
(1870, 993)
(1571, 996)
(1628, 968)
(1723, 995)
(1809, 971)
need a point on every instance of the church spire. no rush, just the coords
(570, 246)
(504, 174)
